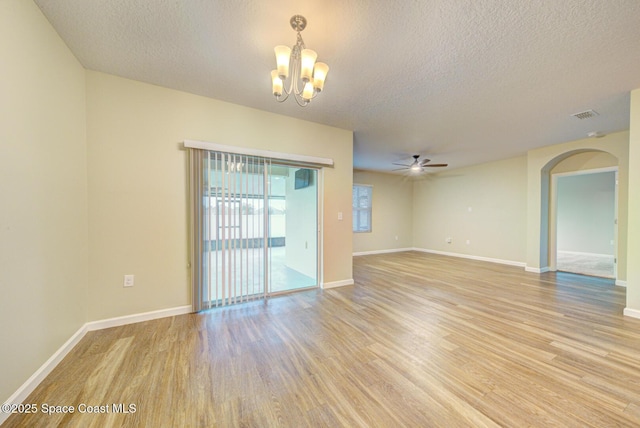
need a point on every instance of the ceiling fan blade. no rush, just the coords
(400, 169)
(424, 161)
(401, 164)
(436, 165)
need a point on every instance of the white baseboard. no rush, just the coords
(27, 388)
(335, 284)
(579, 253)
(132, 319)
(621, 283)
(634, 313)
(467, 256)
(394, 250)
(537, 270)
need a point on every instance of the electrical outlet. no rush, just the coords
(396, 237)
(128, 280)
(448, 240)
(468, 242)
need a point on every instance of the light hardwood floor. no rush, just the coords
(420, 340)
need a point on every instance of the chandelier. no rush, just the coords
(305, 76)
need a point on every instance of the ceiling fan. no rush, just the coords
(418, 166)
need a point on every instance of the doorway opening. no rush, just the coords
(586, 222)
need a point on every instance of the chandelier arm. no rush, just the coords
(304, 102)
(287, 91)
(295, 77)
(296, 89)
(282, 99)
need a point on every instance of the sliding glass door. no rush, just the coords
(255, 228)
(293, 228)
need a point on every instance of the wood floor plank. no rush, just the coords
(418, 340)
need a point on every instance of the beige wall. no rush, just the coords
(539, 164)
(584, 162)
(484, 204)
(129, 212)
(43, 193)
(633, 249)
(392, 212)
(137, 186)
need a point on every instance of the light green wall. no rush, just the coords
(392, 212)
(586, 213)
(43, 191)
(137, 186)
(483, 204)
(633, 249)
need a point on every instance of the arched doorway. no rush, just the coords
(583, 214)
(576, 159)
(539, 164)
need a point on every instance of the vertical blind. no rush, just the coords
(229, 199)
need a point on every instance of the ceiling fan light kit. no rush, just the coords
(305, 76)
(418, 166)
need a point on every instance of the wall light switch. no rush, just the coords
(340, 216)
(448, 240)
(128, 280)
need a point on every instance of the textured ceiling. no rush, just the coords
(461, 81)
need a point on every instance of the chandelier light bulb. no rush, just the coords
(307, 92)
(319, 75)
(307, 61)
(276, 83)
(282, 60)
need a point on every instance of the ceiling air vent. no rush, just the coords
(587, 114)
